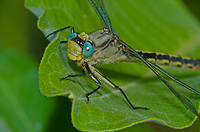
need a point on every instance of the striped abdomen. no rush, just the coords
(171, 60)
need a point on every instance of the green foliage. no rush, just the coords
(22, 106)
(166, 26)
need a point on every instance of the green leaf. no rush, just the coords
(22, 106)
(162, 26)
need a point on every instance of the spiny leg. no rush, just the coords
(77, 75)
(63, 42)
(118, 88)
(72, 30)
(97, 82)
(97, 73)
(85, 75)
(87, 69)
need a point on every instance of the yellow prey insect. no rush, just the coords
(104, 46)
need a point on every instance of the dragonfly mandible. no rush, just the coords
(105, 46)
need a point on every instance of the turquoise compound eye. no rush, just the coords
(71, 36)
(87, 49)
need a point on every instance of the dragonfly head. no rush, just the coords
(79, 46)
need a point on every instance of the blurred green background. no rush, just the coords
(22, 106)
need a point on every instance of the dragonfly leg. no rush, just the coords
(86, 75)
(77, 75)
(118, 88)
(97, 82)
(63, 42)
(72, 30)
(89, 72)
(87, 95)
(98, 74)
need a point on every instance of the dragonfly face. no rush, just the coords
(79, 47)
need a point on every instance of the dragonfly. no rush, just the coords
(105, 46)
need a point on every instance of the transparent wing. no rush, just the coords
(156, 69)
(98, 6)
